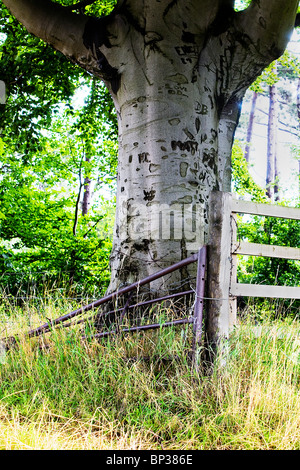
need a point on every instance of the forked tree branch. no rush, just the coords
(59, 27)
(270, 24)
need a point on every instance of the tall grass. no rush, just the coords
(139, 391)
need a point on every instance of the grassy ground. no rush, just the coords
(90, 395)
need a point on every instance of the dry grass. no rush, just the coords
(90, 395)
(46, 433)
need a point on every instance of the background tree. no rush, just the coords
(272, 165)
(250, 126)
(276, 91)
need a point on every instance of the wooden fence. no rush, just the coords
(224, 249)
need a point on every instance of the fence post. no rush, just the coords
(234, 263)
(199, 301)
(218, 321)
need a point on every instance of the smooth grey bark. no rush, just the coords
(177, 72)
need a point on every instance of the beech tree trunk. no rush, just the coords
(177, 72)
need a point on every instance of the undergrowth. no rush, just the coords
(140, 391)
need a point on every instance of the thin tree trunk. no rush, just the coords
(277, 179)
(75, 223)
(250, 127)
(298, 112)
(298, 100)
(87, 187)
(272, 167)
(72, 264)
(299, 179)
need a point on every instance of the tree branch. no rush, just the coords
(77, 205)
(269, 25)
(68, 32)
(51, 22)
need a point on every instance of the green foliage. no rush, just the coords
(50, 144)
(242, 182)
(37, 244)
(241, 4)
(97, 8)
(287, 67)
(38, 212)
(34, 92)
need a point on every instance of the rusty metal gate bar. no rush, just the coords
(197, 320)
(113, 295)
(152, 326)
(199, 300)
(140, 304)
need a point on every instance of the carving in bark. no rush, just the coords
(177, 72)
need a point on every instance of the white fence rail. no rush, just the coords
(224, 249)
(255, 249)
